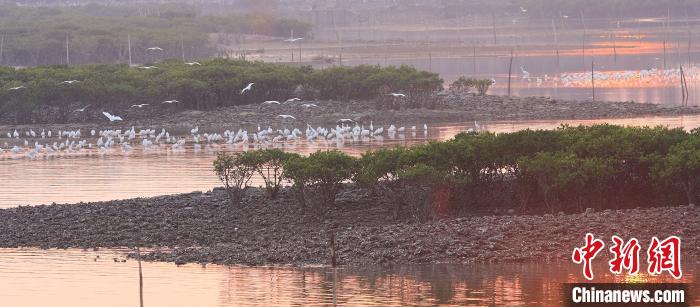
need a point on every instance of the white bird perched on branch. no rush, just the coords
(284, 116)
(193, 64)
(17, 88)
(139, 105)
(170, 101)
(154, 49)
(82, 109)
(111, 117)
(398, 95)
(247, 88)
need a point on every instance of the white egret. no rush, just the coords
(111, 117)
(82, 109)
(247, 88)
(284, 116)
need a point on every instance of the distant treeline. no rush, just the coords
(202, 86)
(99, 34)
(568, 169)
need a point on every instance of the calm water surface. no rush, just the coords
(57, 278)
(118, 175)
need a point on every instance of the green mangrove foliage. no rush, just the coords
(319, 175)
(465, 85)
(214, 83)
(564, 170)
(99, 34)
(234, 171)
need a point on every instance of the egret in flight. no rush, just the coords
(247, 88)
(112, 117)
(82, 110)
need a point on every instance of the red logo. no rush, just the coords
(586, 254)
(626, 256)
(665, 256)
(662, 256)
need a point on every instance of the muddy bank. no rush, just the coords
(202, 227)
(450, 108)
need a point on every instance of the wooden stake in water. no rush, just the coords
(2, 45)
(128, 39)
(510, 70)
(182, 47)
(593, 78)
(138, 257)
(684, 87)
(67, 54)
(493, 23)
(664, 54)
(583, 40)
(430, 62)
(474, 60)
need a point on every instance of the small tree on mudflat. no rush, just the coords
(321, 173)
(235, 172)
(268, 163)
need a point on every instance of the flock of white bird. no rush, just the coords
(46, 143)
(624, 78)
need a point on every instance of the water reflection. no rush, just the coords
(30, 277)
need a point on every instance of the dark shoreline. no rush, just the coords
(203, 228)
(449, 109)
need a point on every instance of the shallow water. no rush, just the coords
(90, 176)
(31, 277)
(648, 79)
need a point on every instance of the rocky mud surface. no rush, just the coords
(449, 108)
(204, 228)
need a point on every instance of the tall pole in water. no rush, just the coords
(2, 46)
(493, 23)
(128, 38)
(593, 78)
(67, 54)
(583, 40)
(664, 54)
(182, 47)
(474, 60)
(138, 256)
(510, 70)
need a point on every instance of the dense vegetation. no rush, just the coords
(212, 84)
(568, 169)
(98, 34)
